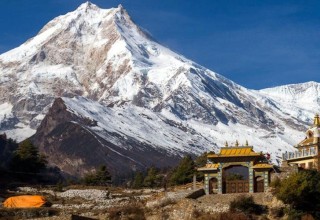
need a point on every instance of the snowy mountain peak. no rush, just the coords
(90, 7)
(87, 6)
(301, 92)
(303, 86)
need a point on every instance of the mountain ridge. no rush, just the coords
(103, 57)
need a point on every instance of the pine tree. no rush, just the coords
(7, 147)
(184, 172)
(27, 150)
(103, 176)
(138, 180)
(201, 160)
(151, 180)
(27, 158)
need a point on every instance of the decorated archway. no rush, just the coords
(235, 169)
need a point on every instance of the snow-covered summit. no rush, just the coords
(100, 52)
(306, 92)
(87, 6)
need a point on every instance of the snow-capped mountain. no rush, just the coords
(299, 100)
(167, 102)
(80, 134)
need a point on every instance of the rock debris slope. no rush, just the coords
(124, 97)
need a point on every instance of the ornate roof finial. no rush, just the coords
(226, 144)
(237, 143)
(247, 144)
(316, 121)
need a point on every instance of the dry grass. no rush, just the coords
(85, 187)
(12, 213)
(199, 215)
(134, 211)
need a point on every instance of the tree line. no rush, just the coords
(20, 158)
(181, 174)
(24, 163)
(23, 160)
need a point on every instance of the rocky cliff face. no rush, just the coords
(168, 105)
(78, 144)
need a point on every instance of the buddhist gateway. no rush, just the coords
(236, 169)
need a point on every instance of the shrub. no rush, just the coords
(277, 212)
(275, 184)
(302, 192)
(294, 214)
(101, 177)
(246, 205)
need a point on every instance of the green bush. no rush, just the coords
(246, 205)
(275, 185)
(302, 192)
(101, 177)
(277, 212)
(294, 214)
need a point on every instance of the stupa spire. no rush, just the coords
(316, 121)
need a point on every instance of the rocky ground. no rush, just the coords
(116, 203)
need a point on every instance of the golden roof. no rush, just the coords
(262, 166)
(209, 166)
(235, 152)
(306, 141)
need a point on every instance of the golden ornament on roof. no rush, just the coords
(316, 121)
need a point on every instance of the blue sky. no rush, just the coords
(257, 44)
